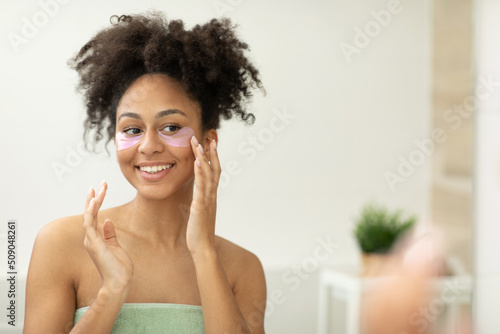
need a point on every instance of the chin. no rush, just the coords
(161, 190)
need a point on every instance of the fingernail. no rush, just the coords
(195, 141)
(90, 190)
(101, 188)
(214, 143)
(198, 162)
(201, 148)
(102, 183)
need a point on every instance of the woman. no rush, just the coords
(153, 264)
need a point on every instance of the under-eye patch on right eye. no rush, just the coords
(123, 141)
(179, 139)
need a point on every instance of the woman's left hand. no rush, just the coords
(200, 234)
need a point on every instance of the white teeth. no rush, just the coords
(154, 169)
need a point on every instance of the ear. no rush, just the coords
(209, 135)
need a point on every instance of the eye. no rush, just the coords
(132, 131)
(169, 129)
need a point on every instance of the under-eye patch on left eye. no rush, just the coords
(179, 139)
(123, 142)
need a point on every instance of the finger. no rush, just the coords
(198, 164)
(206, 171)
(101, 193)
(215, 162)
(213, 175)
(215, 168)
(90, 195)
(89, 221)
(109, 233)
(199, 186)
(98, 199)
(87, 216)
(199, 151)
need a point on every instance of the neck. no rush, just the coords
(161, 222)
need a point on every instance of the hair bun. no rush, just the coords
(115, 19)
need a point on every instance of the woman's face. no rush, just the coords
(153, 122)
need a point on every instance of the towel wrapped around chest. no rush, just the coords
(152, 318)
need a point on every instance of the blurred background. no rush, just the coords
(367, 101)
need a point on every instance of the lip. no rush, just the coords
(146, 164)
(156, 176)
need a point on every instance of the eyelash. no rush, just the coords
(133, 128)
(172, 126)
(127, 129)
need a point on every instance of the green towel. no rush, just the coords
(154, 318)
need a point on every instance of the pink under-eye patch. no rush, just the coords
(123, 142)
(179, 139)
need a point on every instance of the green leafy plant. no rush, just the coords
(377, 228)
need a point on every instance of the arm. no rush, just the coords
(50, 293)
(250, 292)
(226, 309)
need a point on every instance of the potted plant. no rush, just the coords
(377, 229)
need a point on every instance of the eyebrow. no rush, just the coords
(160, 114)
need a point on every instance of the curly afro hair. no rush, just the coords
(209, 61)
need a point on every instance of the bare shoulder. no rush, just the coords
(61, 240)
(237, 261)
(232, 253)
(50, 293)
(69, 230)
(63, 230)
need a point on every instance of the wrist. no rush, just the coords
(113, 293)
(205, 255)
(106, 305)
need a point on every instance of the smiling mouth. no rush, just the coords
(154, 169)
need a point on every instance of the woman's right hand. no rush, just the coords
(113, 263)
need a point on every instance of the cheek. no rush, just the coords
(123, 157)
(184, 155)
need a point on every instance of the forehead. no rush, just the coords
(152, 93)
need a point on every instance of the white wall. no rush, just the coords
(352, 122)
(487, 172)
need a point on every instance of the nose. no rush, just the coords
(151, 143)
